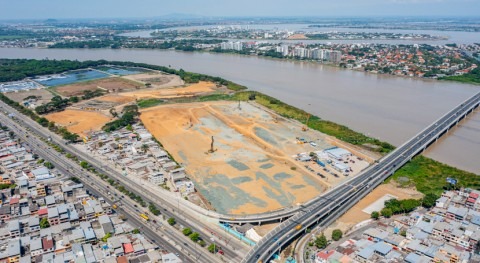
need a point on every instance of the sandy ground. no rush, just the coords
(157, 79)
(116, 99)
(251, 170)
(165, 93)
(110, 84)
(298, 36)
(79, 122)
(355, 215)
(45, 95)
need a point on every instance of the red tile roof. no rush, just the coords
(325, 254)
(47, 243)
(122, 259)
(127, 248)
(473, 195)
(43, 211)
(14, 200)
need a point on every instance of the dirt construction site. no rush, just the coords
(168, 93)
(250, 168)
(107, 84)
(80, 122)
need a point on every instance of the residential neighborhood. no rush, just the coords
(46, 217)
(135, 152)
(448, 232)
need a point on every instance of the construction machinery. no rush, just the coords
(305, 127)
(211, 150)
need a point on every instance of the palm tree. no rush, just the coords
(144, 148)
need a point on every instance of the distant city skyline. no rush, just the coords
(61, 9)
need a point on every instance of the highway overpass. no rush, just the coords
(326, 208)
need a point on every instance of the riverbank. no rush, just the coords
(300, 116)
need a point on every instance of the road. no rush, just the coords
(337, 201)
(172, 206)
(321, 210)
(173, 240)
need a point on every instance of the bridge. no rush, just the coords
(330, 206)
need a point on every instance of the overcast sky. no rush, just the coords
(40, 9)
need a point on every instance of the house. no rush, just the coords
(106, 224)
(47, 244)
(157, 178)
(365, 255)
(42, 173)
(36, 247)
(53, 217)
(14, 228)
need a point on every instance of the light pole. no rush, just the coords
(214, 248)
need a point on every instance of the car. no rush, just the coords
(176, 254)
(135, 205)
(220, 252)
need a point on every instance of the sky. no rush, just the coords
(41, 9)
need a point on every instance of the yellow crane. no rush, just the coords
(305, 128)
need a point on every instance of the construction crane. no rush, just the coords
(305, 127)
(211, 150)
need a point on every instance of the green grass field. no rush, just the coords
(429, 176)
(146, 103)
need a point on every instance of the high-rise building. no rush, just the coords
(238, 46)
(285, 51)
(335, 56)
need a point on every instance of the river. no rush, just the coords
(459, 37)
(385, 107)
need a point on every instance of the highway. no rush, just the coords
(328, 207)
(172, 206)
(173, 240)
(321, 210)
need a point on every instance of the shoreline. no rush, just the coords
(286, 59)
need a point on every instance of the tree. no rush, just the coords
(43, 121)
(74, 99)
(171, 221)
(408, 205)
(429, 200)
(403, 233)
(144, 148)
(321, 241)
(212, 248)
(84, 164)
(375, 215)
(194, 236)
(337, 234)
(75, 180)
(386, 212)
(49, 165)
(106, 237)
(44, 223)
(136, 231)
(187, 231)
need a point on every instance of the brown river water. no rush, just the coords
(389, 108)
